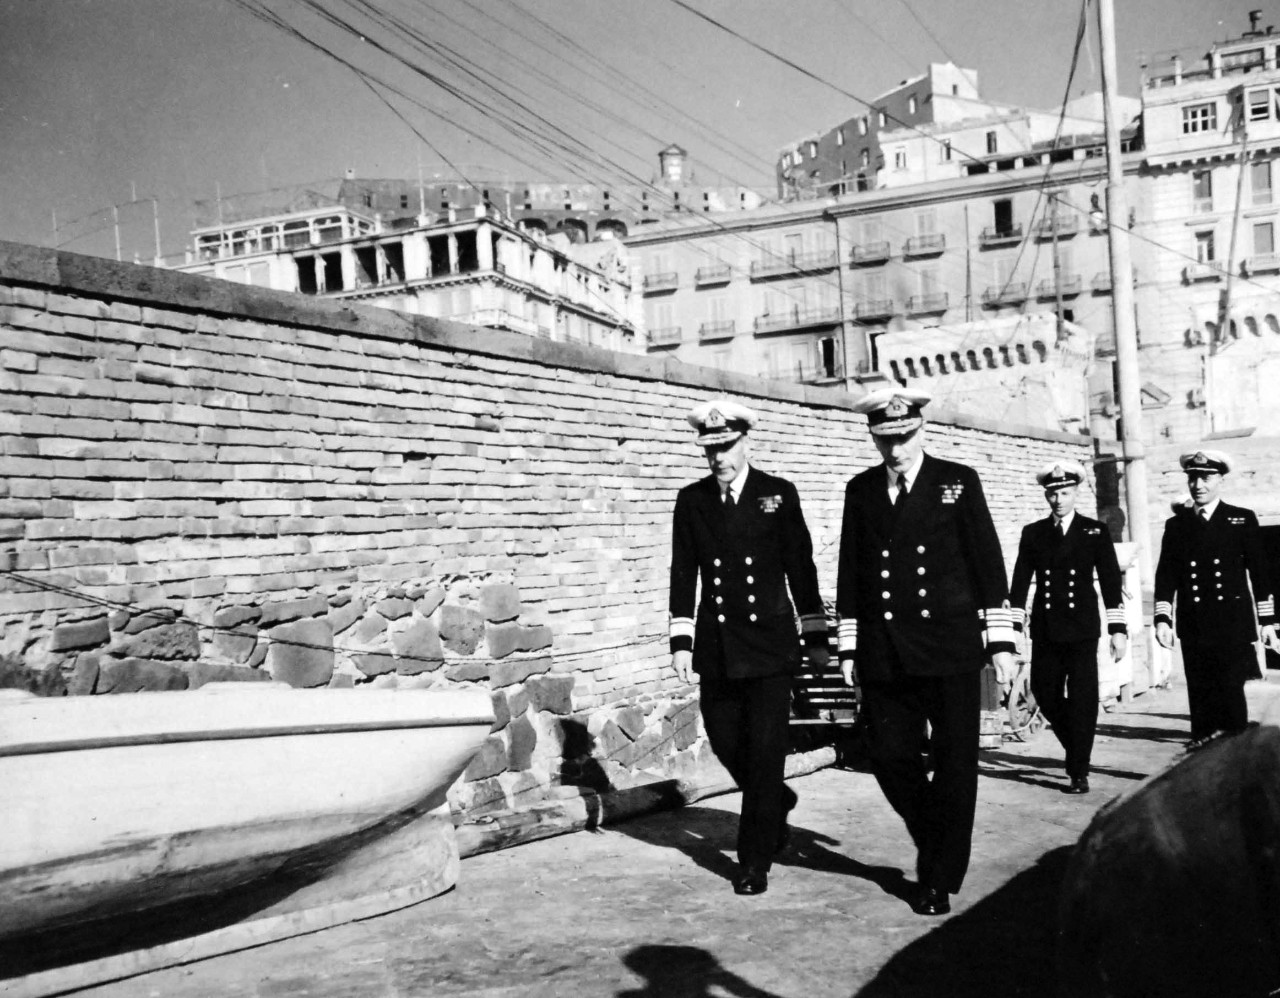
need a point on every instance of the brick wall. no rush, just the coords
(204, 481)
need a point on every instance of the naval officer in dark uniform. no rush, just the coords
(1060, 554)
(923, 604)
(741, 531)
(1211, 553)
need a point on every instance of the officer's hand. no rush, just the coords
(1005, 665)
(846, 670)
(1271, 637)
(819, 656)
(1119, 645)
(1164, 635)
(682, 662)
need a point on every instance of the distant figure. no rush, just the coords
(1060, 554)
(1210, 554)
(923, 603)
(741, 531)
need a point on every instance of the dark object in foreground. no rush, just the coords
(1174, 890)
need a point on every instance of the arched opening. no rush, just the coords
(574, 228)
(1040, 350)
(911, 368)
(941, 361)
(957, 364)
(533, 225)
(1271, 322)
(924, 367)
(611, 228)
(1022, 354)
(989, 356)
(897, 371)
(1251, 324)
(972, 359)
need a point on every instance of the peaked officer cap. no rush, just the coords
(1060, 475)
(1206, 460)
(720, 421)
(893, 411)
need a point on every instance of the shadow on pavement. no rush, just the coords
(705, 834)
(684, 972)
(1001, 947)
(1143, 734)
(1019, 763)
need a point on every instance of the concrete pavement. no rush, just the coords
(644, 909)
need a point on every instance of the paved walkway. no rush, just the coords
(644, 909)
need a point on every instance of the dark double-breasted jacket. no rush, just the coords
(1205, 568)
(746, 556)
(924, 586)
(1065, 606)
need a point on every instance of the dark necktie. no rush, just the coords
(727, 498)
(901, 498)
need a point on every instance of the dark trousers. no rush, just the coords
(747, 725)
(938, 812)
(1064, 681)
(1215, 685)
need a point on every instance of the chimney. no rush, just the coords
(1254, 17)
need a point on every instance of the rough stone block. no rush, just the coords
(259, 655)
(284, 611)
(517, 700)
(343, 616)
(489, 761)
(501, 710)
(369, 628)
(134, 675)
(522, 740)
(610, 741)
(375, 663)
(301, 653)
(522, 788)
(460, 627)
(43, 682)
(467, 672)
(502, 639)
(631, 721)
(166, 641)
(154, 617)
(394, 608)
(236, 644)
(84, 676)
(513, 671)
(199, 673)
(430, 601)
(418, 647)
(81, 634)
(234, 616)
(485, 796)
(551, 693)
(340, 599)
(342, 681)
(535, 638)
(500, 602)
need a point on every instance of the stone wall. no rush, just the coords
(203, 481)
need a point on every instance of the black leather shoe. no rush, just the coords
(1079, 785)
(932, 901)
(751, 880)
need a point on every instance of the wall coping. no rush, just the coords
(98, 277)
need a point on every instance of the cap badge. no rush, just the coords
(1200, 458)
(714, 421)
(1058, 472)
(897, 408)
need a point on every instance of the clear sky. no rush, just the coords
(106, 101)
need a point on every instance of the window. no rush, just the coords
(946, 150)
(926, 222)
(1260, 182)
(899, 159)
(1204, 247)
(839, 136)
(884, 119)
(872, 231)
(1202, 190)
(718, 308)
(1264, 238)
(1199, 118)
(862, 125)
(828, 367)
(368, 200)
(1259, 104)
(864, 158)
(992, 144)
(812, 150)
(928, 281)
(911, 104)
(1002, 212)
(873, 287)
(404, 200)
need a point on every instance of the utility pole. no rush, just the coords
(115, 224)
(155, 219)
(1057, 270)
(1127, 374)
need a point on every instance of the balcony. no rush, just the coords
(797, 318)
(666, 281)
(1059, 226)
(719, 273)
(810, 374)
(1206, 270)
(926, 245)
(870, 253)
(925, 304)
(1068, 284)
(1006, 294)
(1000, 236)
(1101, 282)
(794, 263)
(1262, 263)
(722, 329)
(664, 337)
(873, 309)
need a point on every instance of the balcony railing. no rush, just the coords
(1207, 270)
(1101, 282)
(1059, 225)
(721, 329)
(665, 281)
(796, 318)
(719, 273)
(870, 253)
(872, 309)
(500, 318)
(794, 263)
(812, 374)
(665, 336)
(926, 245)
(994, 235)
(1263, 263)
(923, 304)
(1068, 285)
(1005, 294)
